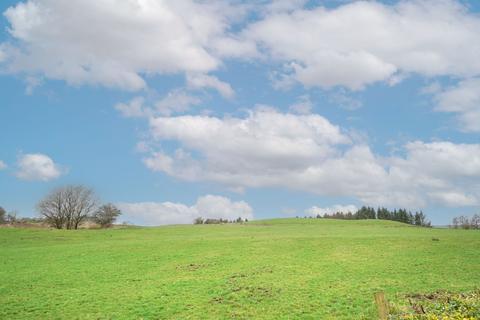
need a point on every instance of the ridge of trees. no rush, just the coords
(401, 215)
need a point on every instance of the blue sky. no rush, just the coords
(172, 111)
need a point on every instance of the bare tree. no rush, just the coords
(466, 223)
(67, 207)
(455, 223)
(475, 221)
(106, 215)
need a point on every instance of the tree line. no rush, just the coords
(201, 220)
(69, 207)
(401, 215)
(464, 222)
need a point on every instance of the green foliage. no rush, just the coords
(271, 269)
(400, 215)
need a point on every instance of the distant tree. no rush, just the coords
(475, 221)
(455, 223)
(383, 213)
(365, 213)
(106, 215)
(420, 219)
(198, 220)
(465, 223)
(3, 215)
(67, 207)
(11, 217)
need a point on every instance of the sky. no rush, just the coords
(177, 109)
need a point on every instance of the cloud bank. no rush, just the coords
(363, 42)
(116, 43)
(308, 153)
(163, 213)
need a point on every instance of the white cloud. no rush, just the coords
(2, 165)
(133, 109)
(313, 211)
(253, 143)
(363, 42)
(3, 55)
(308, 153)
(199, 81)
(115, 43)
(162, 213)
(118, 44)
(176, 101)
(343, 100)
(302, 106)
(279, 6)
(31, 84)
(454, 199)
(37, 167)
(463, 100)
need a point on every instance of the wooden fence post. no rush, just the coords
(382, 305)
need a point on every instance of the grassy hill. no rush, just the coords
(270, 269)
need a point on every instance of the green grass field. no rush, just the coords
(275, 269)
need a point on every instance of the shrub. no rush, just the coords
(106, 215)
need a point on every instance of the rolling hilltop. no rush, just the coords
(268, 269)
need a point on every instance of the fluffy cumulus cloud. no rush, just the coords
(37, 167)
(462, 99)
(162, 213)
(262, 145)
(2, 165)
(314, 211)
(364, 42)
(307, 152)
(115, 43)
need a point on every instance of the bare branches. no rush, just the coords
(67, 207)
(106, 215)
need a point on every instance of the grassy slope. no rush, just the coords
(291, 268)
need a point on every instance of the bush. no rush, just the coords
(106, 215)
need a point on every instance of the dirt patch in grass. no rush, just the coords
(191, 267)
